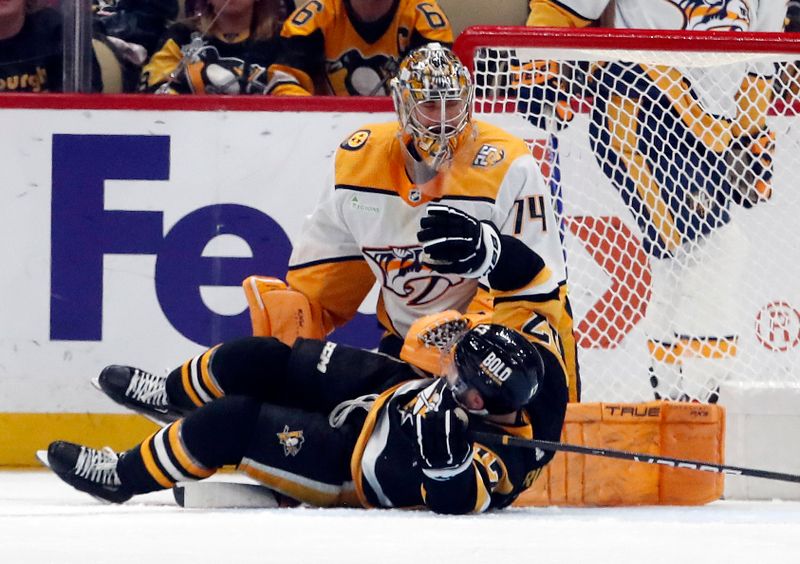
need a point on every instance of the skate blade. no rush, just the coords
(96, 383)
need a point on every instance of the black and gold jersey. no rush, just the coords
(496, 474)
(31, 61)
(172, 70)
(328, 50)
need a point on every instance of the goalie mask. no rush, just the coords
(432, 95)
(498, 362)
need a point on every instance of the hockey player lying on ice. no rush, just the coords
(330, 425)
(442, 210)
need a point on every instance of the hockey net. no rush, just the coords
(684, 271)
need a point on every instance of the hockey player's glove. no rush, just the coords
(444, 448)
(749, 162)
(541, 96)
(454, 242)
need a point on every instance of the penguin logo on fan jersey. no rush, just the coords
(362, 76)
(404, 275)
(715, 15)
(292, 441)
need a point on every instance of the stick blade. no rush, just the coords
(223, 495)
(41, 456)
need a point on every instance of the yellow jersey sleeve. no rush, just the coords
(551, 13)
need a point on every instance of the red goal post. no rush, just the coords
(672, 158)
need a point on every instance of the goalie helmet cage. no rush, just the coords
(684, 271)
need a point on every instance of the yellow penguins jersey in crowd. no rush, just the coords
(242, 56)
(365, 227)
(491, 479)
(324, 42)
(702, 15)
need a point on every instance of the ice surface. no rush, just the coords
(42, 520)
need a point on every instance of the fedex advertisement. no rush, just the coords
(127, 232)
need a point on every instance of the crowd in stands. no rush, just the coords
(342, 47)
(279, 47)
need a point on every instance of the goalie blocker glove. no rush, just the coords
(454, 242)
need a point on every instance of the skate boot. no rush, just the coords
(87, 469)
(138, 390)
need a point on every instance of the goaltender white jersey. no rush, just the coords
(700, 15)
(716, 86)
(365, 229)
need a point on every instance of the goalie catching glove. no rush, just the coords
(749, 162)
(430, 338)
(454, 242)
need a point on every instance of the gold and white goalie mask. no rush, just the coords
(432, 95)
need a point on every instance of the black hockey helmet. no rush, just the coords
(501, 364)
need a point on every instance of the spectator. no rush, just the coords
(352, 47)
(225, 48)
(135, 22)
(31, 54)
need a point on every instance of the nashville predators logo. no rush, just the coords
(362, 76)
(405, 276)
(292, 441)
(717, 15)
(488, 155)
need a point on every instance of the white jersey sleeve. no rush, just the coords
(524, 210)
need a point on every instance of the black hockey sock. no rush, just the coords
(191, 448)
(252, 366)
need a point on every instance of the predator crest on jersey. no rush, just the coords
(356, 140)
(488, 155)
(722, 15)
(292, 441)
(404, 275)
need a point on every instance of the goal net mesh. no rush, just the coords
(674, 167)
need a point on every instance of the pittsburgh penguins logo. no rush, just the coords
(364, 76)
(714, 15)
(292, 441)
(405, 276)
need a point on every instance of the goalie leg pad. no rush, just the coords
(680, 430)
(278, 311)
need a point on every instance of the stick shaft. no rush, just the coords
(490, 438)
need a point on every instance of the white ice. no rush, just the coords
(42, 520)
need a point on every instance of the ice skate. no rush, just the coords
(86, 469)
(138, 390)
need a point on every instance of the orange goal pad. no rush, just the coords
(660, 428)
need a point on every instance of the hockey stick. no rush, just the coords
(490, 438)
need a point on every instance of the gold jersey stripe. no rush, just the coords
(361, 443)
(205, 373)
(325, 495)
(150, 463)
(187, 383)
(186, 460)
